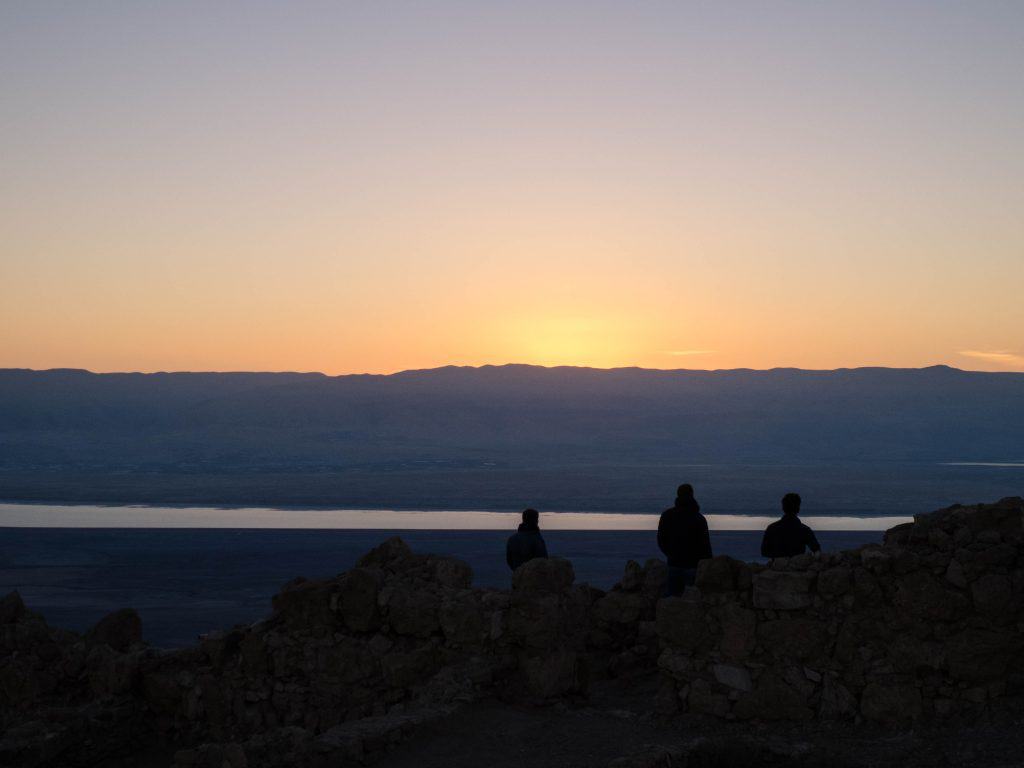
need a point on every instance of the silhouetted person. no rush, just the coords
(526, 543)
(788, 537)
(683, 537)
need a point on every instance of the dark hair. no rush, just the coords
(791, 503)
(531, 515)
(684, 491)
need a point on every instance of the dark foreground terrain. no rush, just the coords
(904, 653)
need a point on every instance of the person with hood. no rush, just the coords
(526, 543)
(788, 536)
(684, 538)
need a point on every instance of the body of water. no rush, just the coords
(97, 516)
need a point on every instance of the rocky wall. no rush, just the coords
(928, 625)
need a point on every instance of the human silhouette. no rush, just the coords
(788, 536)
(526, 543)
(683, 537)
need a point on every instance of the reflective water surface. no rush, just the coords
(90, 516)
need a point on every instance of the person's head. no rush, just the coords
(531, 516)
(791, 503)
(684, 492)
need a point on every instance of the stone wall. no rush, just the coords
(927, 625)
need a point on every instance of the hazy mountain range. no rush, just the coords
(457, 436)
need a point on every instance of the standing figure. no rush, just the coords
(526, 543)
(683, 537)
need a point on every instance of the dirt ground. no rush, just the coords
(610, 726)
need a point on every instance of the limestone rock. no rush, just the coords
(890, 703)
(386, 555)
(732, 676)
(620, 607)
(11, 608)
(356, 599)
(835, 581)
(552, 674)
(632, 577)
(461, 619)
(680, 622)
(717, 574)
(992, 594)
(120, 630)
(773, 699)
(739, 630)
(413, 611)
(783, 590)
(543, 575)
(792, 638)
(920, 594)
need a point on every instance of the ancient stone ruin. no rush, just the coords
(926, 627)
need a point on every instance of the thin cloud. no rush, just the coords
(1000, 356)
(688, 352)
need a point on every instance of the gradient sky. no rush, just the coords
(376, 186)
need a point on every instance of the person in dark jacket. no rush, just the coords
(683, 537)
(788, 536)
(526, 543)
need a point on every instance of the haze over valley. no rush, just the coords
(866, 440)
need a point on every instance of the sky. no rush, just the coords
(371, 187)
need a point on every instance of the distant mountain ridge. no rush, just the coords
(925, 414)
(493, 418)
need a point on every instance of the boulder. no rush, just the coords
(680, 622)
(632, 577)
(703, 700)
(836, 702)
(11, 608)
(773, 699)
(716, 574)
(543, 575)
(449, 572)
(739, 630)
(110, 672)
(979, 655)
(955, 574)
(539, 620)
(356, 599)
(655, 575)
(890, 703)
(620, 607)
(992, 594)
(552, 674)
(413, 612)
(306, 603)
(461, 618)
(732, 676)
(783, 590)
(793, 639)
(920, 594)
(835, 581)
(388, 555)
(120, 630)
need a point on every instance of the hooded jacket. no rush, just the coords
(683, 534)
(524, 545)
